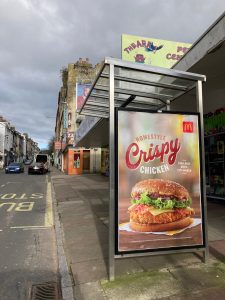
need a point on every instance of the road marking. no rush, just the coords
(37, 228)
(2, 185)
(21, 206)
(29, 227)
(23, 196)
(48, 211)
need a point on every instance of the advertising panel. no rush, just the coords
(65, 117)
(76, 163)
(159, 201)
(155, 52)
(82, 91)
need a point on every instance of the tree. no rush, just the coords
(51, 145)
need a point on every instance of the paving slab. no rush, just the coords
(141, 286)
(127, 266)
(217, 293)
(89, 291)
(169, 260)
(89, 271)
(174, 283)
(89, 252)
(83, 211)
(218, 248)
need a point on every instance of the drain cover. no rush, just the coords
(45, 291)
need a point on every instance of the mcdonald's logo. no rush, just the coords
(188, 127)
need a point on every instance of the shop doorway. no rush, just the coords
(86, 161)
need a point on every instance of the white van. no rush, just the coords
(45, 159)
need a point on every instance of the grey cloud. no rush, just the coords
(38, 38)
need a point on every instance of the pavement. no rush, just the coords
(81, 211)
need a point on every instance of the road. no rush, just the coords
(28, 244)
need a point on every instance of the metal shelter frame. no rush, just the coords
(133, 85)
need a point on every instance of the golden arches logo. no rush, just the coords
(188, 127)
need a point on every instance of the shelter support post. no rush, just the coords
(167, 104)
(111, 270)
(206, 255)
(199, 100)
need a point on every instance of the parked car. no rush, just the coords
(37, 168)
(14, 168)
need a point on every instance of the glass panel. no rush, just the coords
(215, 165)
(167, 87)
(152, 90)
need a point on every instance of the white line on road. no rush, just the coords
(29, 227)
(2, 185)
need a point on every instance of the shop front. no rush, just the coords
(77, 161)
(215, 154)
(207, 56)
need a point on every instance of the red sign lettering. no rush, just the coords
(135, 155)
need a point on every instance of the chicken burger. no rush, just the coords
(159, 205)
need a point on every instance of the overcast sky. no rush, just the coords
(40, 37)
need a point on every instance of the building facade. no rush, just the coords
(14, 146)
(66, 156)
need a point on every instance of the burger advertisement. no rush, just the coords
(159, 201)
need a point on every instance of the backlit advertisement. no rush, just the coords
(151, 51)
(159, 201)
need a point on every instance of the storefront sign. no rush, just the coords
(69, 119)
(65, 116)
(159, 194)
(153, 52)
(70, 137)
(59, 145)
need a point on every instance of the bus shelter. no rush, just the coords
(155, 142)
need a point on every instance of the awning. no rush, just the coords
(135, 85)
(130, 85)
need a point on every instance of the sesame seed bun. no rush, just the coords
(160, 187)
